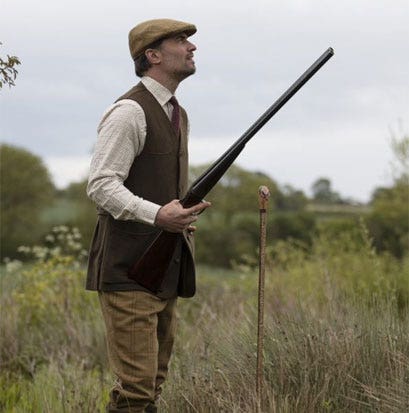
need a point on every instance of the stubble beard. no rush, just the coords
(183, 74)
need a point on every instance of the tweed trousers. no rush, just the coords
(140, 331)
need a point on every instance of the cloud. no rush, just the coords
(75, 62)
(67, 169)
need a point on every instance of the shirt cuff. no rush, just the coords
(148, 212)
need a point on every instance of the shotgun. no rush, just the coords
(150, 269)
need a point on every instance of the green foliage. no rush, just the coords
(76, 191)
(295, 225)
(400, 148)
(336, 333)
(291, 199)
(8, 71)
(230, 229)
(335, 267)
(48, 308)
(39, 297)
(26, 188)
(56, 387)
(334, 360)
(322, 191)
(332, 227)
(389, 218)
(222, 239)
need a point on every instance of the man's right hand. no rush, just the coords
(173, 217)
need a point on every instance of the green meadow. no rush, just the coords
(336, 339)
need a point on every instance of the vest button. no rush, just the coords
(177, 260)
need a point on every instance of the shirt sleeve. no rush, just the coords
(121, 137)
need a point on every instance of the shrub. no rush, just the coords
(25, 189)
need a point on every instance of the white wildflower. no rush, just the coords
(55, 251)
(24, 249)
(50, 238)
(13, 265)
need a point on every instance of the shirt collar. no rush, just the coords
(160, 92)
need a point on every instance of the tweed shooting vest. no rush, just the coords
(158, 174)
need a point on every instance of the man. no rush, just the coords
(138, 172)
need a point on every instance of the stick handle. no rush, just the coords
(264, 194)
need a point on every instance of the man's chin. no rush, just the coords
(187, 73)
(191, 69)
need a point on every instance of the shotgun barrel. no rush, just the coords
(150, 269)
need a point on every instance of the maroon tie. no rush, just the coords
(175, 114)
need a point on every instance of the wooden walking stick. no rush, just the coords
(263, 195)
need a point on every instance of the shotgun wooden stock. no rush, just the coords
(150, 269)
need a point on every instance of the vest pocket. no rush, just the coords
(123, 247)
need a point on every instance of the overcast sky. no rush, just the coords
(75, 62)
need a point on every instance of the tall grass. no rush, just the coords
(337, 335)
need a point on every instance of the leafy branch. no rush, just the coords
(8, 71)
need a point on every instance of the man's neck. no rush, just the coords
(170, 84)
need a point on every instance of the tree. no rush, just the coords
(389, 219)
(322, 191)
(292, 199)
(8, 72)
(25, 188)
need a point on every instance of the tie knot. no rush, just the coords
(174, 101)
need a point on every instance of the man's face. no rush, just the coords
(176, 56)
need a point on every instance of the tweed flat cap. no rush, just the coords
(144, 34)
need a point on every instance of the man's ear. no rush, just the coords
(153, 56)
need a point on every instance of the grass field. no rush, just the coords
(337, 335)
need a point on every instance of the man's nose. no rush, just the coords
(191, 47)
